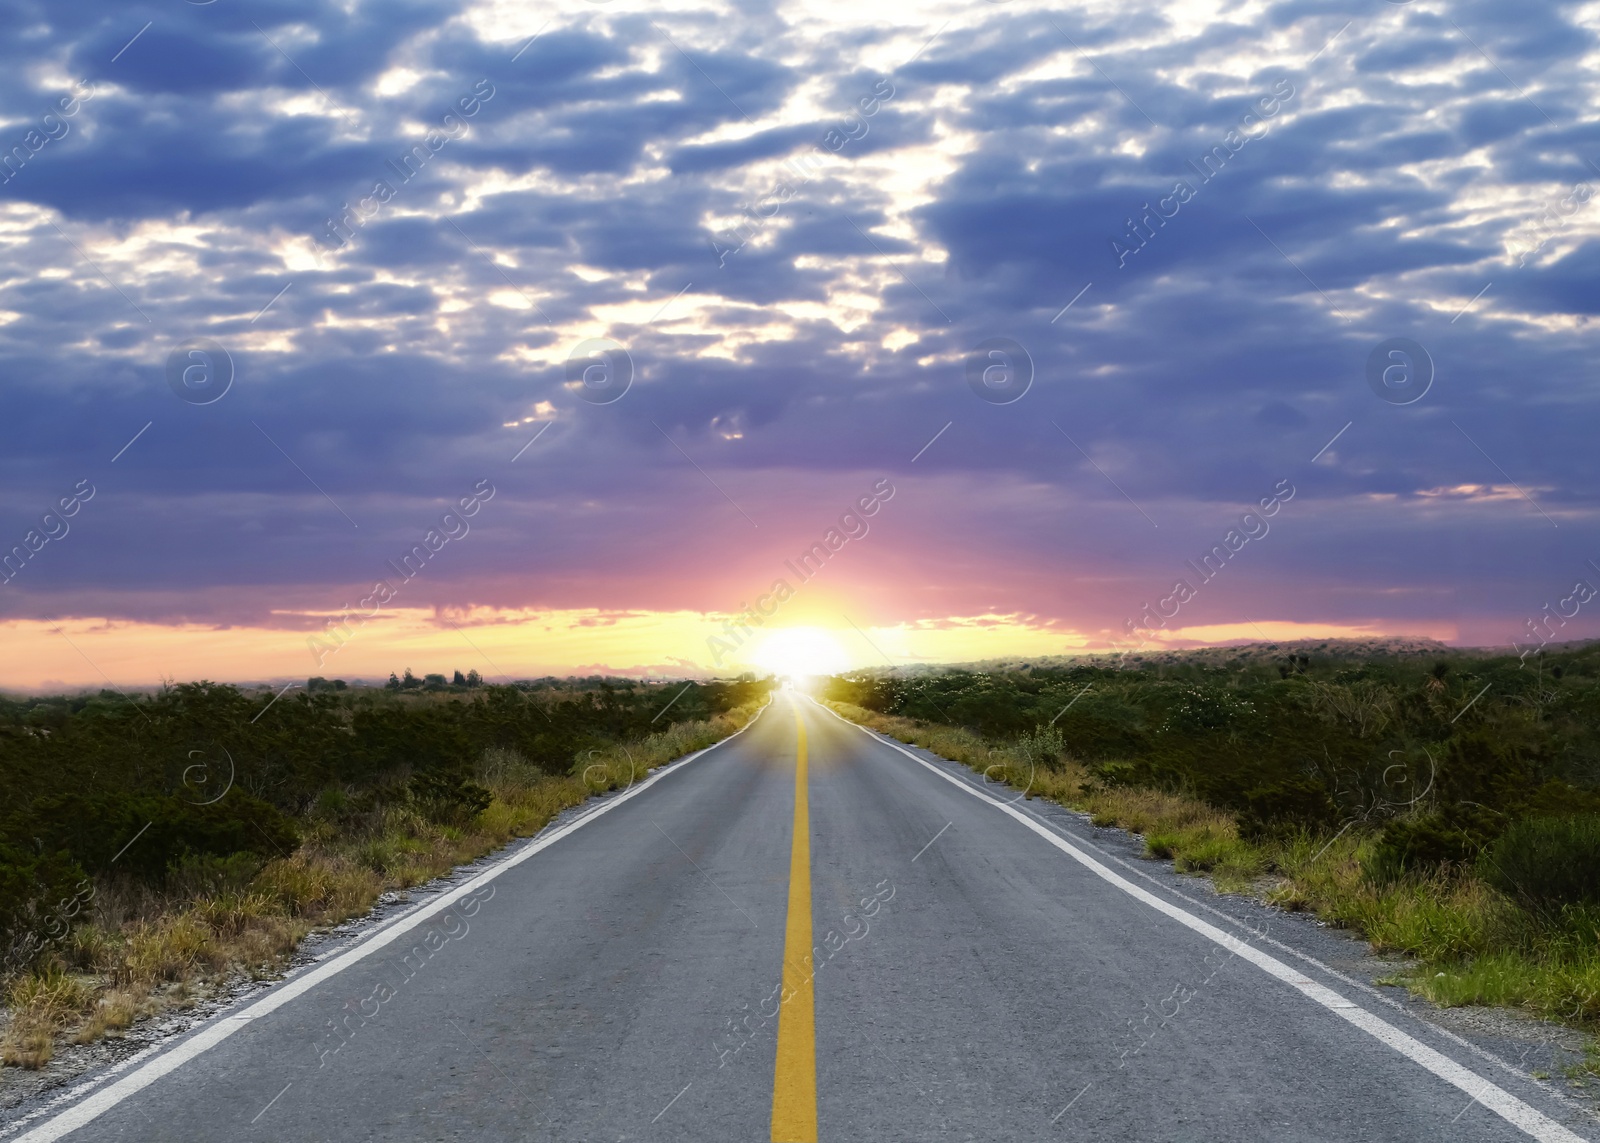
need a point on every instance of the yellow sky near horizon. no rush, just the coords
(92, 653)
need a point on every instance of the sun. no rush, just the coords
(797, 651)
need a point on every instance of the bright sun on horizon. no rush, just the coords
(795, 651)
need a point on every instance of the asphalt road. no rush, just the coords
(915, 962)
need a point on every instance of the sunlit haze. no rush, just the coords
(798, 652)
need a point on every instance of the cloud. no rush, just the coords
(798, 269)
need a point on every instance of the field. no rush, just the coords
(154, 847)
(1444, 804)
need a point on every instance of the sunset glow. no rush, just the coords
(813, 335)
(795, 652)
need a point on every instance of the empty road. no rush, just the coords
(807, 933)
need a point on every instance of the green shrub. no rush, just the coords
(1442, 919)
(1116, 775)
(1547, 863)
(1043, 746)
(1209, 852)
(196, 875)
(1160, 844)
(1206, 708)
(1430, 843)
(331, 804)
(1560, 800)
(499, 765)
(40, 900)
(1285, 809)
(144, 835)
(445, 795)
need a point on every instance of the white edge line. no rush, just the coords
(226, 1025)
(1075, 1099)
(1361, 986)
(80, 1089)
(1528, 1119)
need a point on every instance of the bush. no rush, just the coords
(446, 796)
(332, 804)
(123, 856)
(1097, 736)
(498, 765)
(196, 875)
(1430, 843)
(1547, 864)
(1441, 919)
(1560, 800)
(1287, 808)
(1206, 708)
(144, 836)
(40, 898)
(1043, 746)
(1116, 775)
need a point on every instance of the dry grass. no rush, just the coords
(114, 1010)
(41, 1006)
(1194, 835)
(141, 951)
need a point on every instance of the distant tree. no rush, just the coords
(433, 683)
(410, 682)
(459, 680)
(316, 683)
(394, 684)
(338, 684)
(474, 679)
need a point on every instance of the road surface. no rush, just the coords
(809, 933)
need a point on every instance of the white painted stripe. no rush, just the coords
(1513, 1110)
(219, 1030)
(79, 1090)
(1577, 1110)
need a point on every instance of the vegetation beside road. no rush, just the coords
(1443, 806)
(152, 849)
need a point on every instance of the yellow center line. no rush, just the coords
(794, 1081)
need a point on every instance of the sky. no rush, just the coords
(607, 314)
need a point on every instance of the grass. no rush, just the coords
(141, 952)
(41, 1006)
(1472, 943)
(1193, 835)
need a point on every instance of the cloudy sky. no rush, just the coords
(283, 283)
